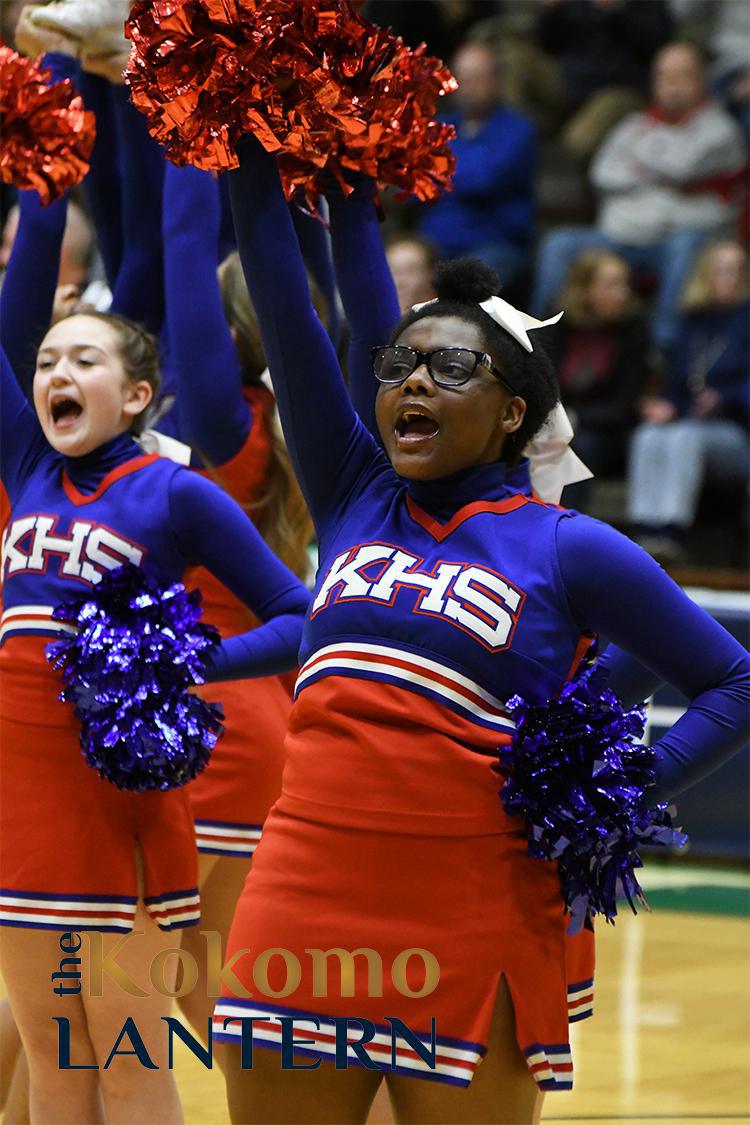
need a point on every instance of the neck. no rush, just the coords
(87, 471)
(444, 497)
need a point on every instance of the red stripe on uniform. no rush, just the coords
(65, 913)
(427, 673)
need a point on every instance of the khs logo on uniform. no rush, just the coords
(474, 598)
(85, 552)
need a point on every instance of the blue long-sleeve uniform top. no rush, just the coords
(713, 348)
(527, 579)
(30, 281)
(493, 188)
(214, 415)
(74, 518)
(365, 284)
(124, 156)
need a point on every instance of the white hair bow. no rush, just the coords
(552, 463)
(514, 321)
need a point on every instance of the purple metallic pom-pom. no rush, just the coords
(136, 650)
(580, 777)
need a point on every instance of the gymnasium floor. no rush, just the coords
(670, 1038)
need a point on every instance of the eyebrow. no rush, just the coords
(74, 348)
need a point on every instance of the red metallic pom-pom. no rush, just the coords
(317, 84)
(47, 134)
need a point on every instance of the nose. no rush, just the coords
(419, 381)
(60, 375)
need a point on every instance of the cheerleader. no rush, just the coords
(441, 593)
(92, 857)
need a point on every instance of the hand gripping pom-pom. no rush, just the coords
(47, 135)
(314, 81)
(135, 651)
(578, 774)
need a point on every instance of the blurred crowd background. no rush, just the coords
(602, 168)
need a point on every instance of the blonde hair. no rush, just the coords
(280, 513)
(697, 292)
(574, 294)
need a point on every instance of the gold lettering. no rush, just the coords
(217, 973)
(103, 964)
(157, 972)
(293, 972)
(431, 972)
(346, 970)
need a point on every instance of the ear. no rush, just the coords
(137, 397)
(511, 414)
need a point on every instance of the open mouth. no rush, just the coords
(65, 412)
(414, 426)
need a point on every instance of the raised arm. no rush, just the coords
(329, 446)
(214, 417)
(315, 245)
(366, 287)
(213, 531)
(102, 183)
(28, 291)
(21, 438)
(139, 289)
(616, 589)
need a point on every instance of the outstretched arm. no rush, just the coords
(28, 292)
(315, 245)
(616, 589)
(21, 437)
(27, 296)
(214, 417)
(329, 446)
(213, 531)
(139, 289)
(366, 287)
(102, 183)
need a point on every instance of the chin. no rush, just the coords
(71, 445)
(412, 468)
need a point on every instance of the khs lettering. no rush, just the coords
(472, 597)
(85, 553)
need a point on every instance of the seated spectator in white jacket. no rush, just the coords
(668, 178)
(698, 430)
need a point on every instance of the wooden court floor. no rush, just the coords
(670, 1038)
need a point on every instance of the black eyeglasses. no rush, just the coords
(448, 367)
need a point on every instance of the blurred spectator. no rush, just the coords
(668, 178)
(76, 256)
(700, 428)
(441, 24)
(489, 214)
(412, 261)
(602, 352)
(724, 26)
(10, 11)
(603, 50)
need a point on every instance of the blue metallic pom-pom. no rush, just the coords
(136, 650)
(580, 776)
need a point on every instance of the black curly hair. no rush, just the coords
(460, 286)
